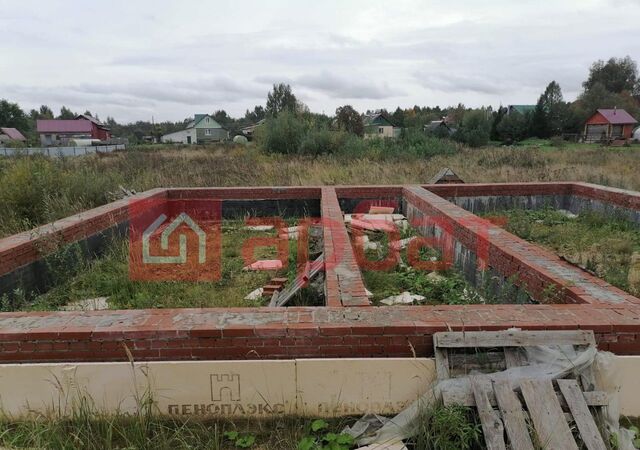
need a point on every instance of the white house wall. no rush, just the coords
(180, 136)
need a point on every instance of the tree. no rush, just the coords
(281, 99)
(283, 133)
(66, 113)
(348, 119)
(222, 118)
(474, 129)
(497, 118)
(616, 75)
(256, 115)
(12, 116)
(551, 113)
(398, 117)
(514, 127)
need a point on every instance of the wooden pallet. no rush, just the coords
(540, 411)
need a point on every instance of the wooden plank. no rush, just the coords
(589, 431)
(442, 363)
(514, 358)
(492, 426)
(546, 413)
(465, 398)
(298, 283)
(512, 338)
(512, 416)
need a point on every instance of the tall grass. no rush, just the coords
(36, 190)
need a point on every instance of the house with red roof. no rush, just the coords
(609, 124)
(61, 131)
(11, 134)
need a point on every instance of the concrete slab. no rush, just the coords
(309, 387)
(339, 387)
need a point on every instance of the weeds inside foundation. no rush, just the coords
(606, 245)
(75, 278)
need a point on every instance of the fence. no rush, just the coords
(60, 151)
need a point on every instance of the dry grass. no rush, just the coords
(36, 190)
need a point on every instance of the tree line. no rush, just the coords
(611, 83)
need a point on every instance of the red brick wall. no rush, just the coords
(24, 248)
(532, 266)
(334, 331)
(270, 333)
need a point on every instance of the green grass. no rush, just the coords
(92, 431)
(108, 276)
(445, 287)
(601, 244)
(436, 428)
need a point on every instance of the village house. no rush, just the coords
(61, 131)
(10, 134)
(380, 125)
(520, 109)
(201, 130)
(250, 130)
(439, 127)
(609, 124)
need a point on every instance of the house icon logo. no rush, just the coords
(181, 258)
(225, 387)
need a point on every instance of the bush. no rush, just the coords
(283, 134)
(317, 142)
(475, 129)
(557, 141)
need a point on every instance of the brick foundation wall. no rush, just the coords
(513, 258)
(347, 327)
(269, 333)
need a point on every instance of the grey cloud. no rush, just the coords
(342, 87)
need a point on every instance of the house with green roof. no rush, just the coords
(202, 129)
(380, 125)
(520, 109)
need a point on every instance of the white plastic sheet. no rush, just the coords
(545, 362)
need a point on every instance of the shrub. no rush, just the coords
(557, 141)
(282, 134)
(317, 142)
(475, 129)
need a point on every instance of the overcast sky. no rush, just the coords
(170, 59)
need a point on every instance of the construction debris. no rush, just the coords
(265, 264)
(402, 243)
(381, 210)
(405, 298)
(568, 214)
(255, 295)
(373, 225)
(259, 227)
(290, 233)
(280, 298)
(274, 285)
(436, 277)
(91, 304)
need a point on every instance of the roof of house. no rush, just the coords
(13, 134)
(91, 119)
(64, 126)
(617, 116)
(376, 118)
(199, 118)
(522, 109)
(437, 123)
(445, 175)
